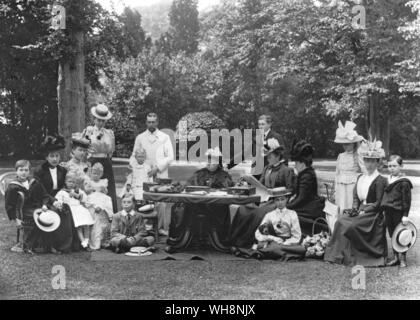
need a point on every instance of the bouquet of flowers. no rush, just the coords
(315, 245)
(351, 212)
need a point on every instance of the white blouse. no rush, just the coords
(363, 185)
(53, 173)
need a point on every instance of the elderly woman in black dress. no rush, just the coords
(360, 239)
(248, 217)
(306, 202)
(218, 216)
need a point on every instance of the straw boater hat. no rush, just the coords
(371, 149)
(281, 192)
(53, 143)
(47, 221)
(346, 133)
(404, 237)
(101, 111)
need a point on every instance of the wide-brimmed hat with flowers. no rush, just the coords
(272, 145)
(78, 139)
(101, 111)
(346, 133)
(371, 149)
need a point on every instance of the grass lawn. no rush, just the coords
(23, 277)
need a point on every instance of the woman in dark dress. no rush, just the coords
(103, 146)
(248, 217)
(52, 176)
(360, 240)
(306, 202)
(218, 215)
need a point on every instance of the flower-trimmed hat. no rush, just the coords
(271, 146)
(53, 143)
(78, 140)
(101, 112)
(346, 133)
(404, 237)
(371, 149)
(301, 151)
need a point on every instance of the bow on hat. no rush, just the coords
(346, 133)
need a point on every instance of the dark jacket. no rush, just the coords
(281, 176)
(307, 202)
(397, 196)
(34, 198)
(217, 179)
(42, 173)
(121, 227)
(374, 196)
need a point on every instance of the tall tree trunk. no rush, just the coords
(71, 94)
(378, 127)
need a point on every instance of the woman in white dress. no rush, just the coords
(349, 164)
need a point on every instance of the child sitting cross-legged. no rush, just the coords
(280, 226)
(128, 228)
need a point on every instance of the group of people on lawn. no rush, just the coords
(65, 206)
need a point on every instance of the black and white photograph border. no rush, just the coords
(209, 150)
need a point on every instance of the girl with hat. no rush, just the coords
(78, 163)
(248, 217)
(306, 202)
(103, 146)
(52, 176)
(360, 239)
(396, 203)
(349, 164)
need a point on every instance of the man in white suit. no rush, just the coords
(159, 154)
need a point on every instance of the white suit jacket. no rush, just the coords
(159, 150)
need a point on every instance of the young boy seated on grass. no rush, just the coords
(128, 228)
(35, 196)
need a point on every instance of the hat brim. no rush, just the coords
(344, 141)
(107, 117)
(50, 228)
(395, 245)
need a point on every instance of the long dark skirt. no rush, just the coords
(108, 174)
(245, 223)
(184, 217)
(358, 241)
(64, 239)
